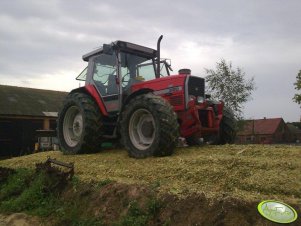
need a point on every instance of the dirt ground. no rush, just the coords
(19, 219)
(211, 185)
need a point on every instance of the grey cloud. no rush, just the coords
(263, 37)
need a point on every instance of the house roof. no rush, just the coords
(260, 126)
(20, 101)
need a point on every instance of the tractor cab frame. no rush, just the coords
(115, 67)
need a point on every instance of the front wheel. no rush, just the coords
(149, 127)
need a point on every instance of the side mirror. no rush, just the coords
(107, 49)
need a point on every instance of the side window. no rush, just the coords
(101, 73)
(146, 70)
(83, 75)
(104, 74)
(163, 70)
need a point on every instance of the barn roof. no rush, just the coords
(20, 101)
(260, 126)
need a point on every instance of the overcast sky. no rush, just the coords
(42, 42)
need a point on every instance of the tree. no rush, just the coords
(297, 97)
(230, 86)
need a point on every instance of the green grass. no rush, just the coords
(138, 216)
(36, 194)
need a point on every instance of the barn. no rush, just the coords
(263, 131)
(23, 112)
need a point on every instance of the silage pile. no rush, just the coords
(249, 172)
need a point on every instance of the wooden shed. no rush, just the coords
(23, 111)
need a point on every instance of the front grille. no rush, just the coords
(176, 100)
(196, 86)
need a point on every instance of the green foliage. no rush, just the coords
(297, 124)
(70, 213)
(155, 185)
(15, 184)
(88, 222)
(75, 182)
(229, 85)
(25, 191)
(154, 207)
(104, 182)
(36, 194)
(297, 97)
(135, 216)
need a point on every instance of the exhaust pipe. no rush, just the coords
(158, 56)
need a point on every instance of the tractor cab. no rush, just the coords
(114, 68)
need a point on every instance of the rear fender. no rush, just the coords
(132, 95)
(90, 89)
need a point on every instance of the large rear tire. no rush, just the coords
(149, 127)
(79, 125)
(227, 131)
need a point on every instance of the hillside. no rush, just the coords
(209, 185)
(251, 173)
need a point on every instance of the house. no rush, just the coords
(295, 133)
(263, 131)
(23, 111)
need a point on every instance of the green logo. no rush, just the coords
(276, 211)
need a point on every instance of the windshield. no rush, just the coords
(136, 68)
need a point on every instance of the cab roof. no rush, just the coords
(125, 47)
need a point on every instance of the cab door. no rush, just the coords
(104, 77)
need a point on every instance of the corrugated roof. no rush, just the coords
(260, 126)
(29, 102)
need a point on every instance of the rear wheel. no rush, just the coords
(149, 127)
(227, 131)
(79, 123)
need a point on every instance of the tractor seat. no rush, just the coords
(101, 88)
(112, 86)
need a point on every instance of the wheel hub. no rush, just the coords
(72, 126)
(77, 125)
(142, 129)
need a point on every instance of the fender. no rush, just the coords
(90, 89)
(132, 95)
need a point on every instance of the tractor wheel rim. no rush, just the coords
(142, 129)
(73, 126)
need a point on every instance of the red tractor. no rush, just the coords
(130, 95)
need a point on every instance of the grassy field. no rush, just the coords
(249, 172)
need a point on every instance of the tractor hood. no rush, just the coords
(163, 83)
(191, 85)
(177, 89)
